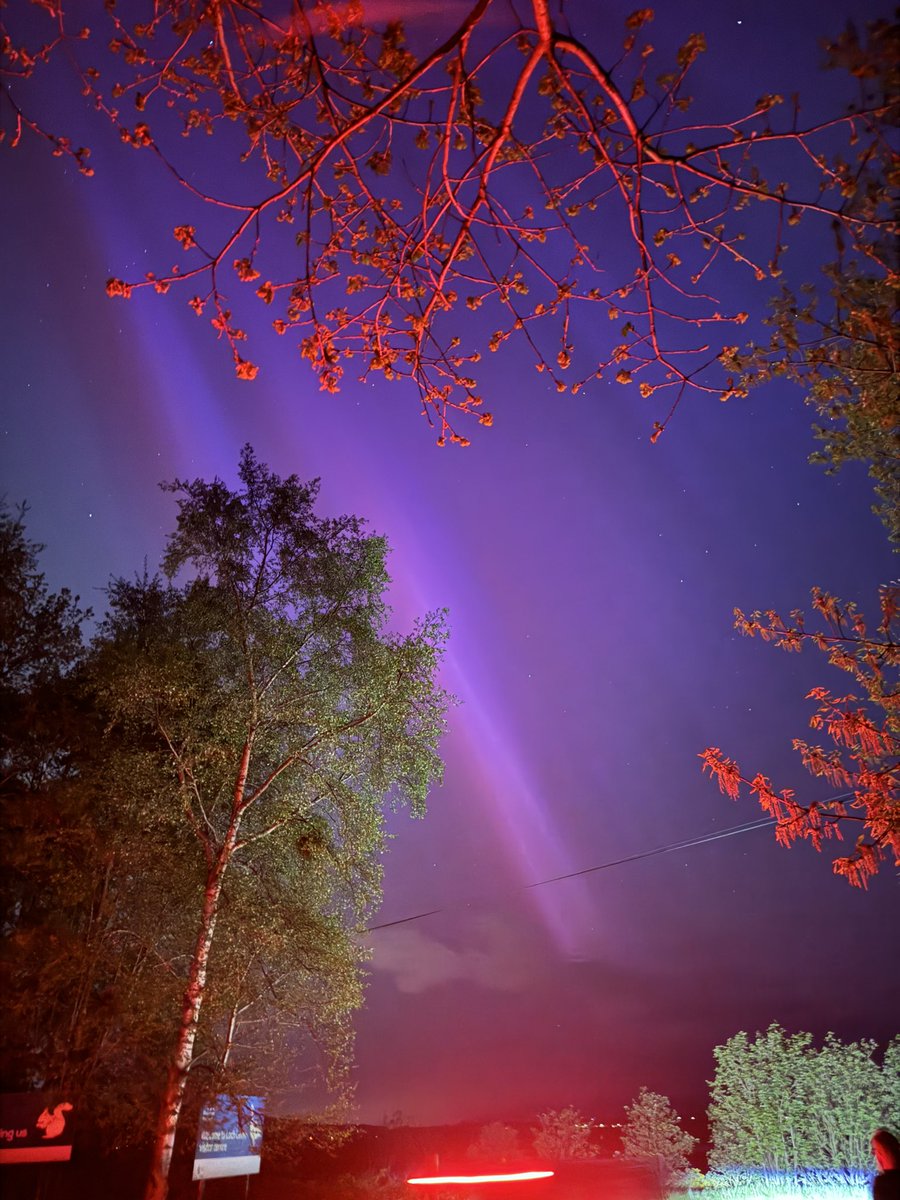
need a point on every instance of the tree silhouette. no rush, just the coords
(496, 1143)
(563, 1133)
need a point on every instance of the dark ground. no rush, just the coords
(295, 1169)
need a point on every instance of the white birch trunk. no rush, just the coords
(192, 1001)
(176, 1078)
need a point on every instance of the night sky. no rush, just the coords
(590, 579)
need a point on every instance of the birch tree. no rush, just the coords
(258, 717)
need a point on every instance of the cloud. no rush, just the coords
(500, 956)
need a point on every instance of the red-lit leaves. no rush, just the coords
(863, 762)
(399, 179)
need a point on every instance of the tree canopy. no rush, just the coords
(243, 731)
(404, 201)
(496, 1143)
(843, 347)
(652, 1129)
(780, 1102)
(40, 641)
(45, 889)
(563, 1133)
(842, 344)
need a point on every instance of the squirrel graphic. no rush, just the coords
(54, 1122)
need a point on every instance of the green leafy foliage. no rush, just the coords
(858, 401)
(843, 348)
(257, 717)
(652, 1129)
(780, 1103)
(82, 1011)
(40, 642)
(198, 855)
(841, 342)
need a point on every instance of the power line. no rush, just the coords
(732, 831)
(687, 843)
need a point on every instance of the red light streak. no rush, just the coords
(513, 1177)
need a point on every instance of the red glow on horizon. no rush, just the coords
(508, 1177)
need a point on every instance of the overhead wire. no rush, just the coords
(668, 848)
(732, 831)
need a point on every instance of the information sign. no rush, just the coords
(34, 1127)
(229, 1137)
